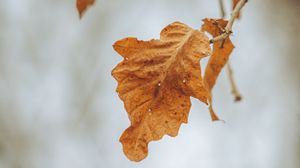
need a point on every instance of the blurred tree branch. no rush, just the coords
(234, 89)
(228, 28)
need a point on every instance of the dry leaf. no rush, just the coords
(220, 55)
(221, 50)
(234, 3)
(82, 5)
(155, 82)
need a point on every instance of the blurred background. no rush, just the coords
(59, 108)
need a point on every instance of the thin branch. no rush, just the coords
(234, 89)
(222, 9)
(228, 28)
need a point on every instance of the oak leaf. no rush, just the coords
(221, 51)
(82, 6)
(155, 82)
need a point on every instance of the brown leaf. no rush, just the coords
(234, 3)
(155, 82)
(221, 52)
(82, 5)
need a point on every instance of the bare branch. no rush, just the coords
(234, 89)
(228, 28)
(222, 9)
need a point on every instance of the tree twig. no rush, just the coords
(223, 13)
(234, 89)
(228, 28)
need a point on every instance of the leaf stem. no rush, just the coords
(228, 28)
